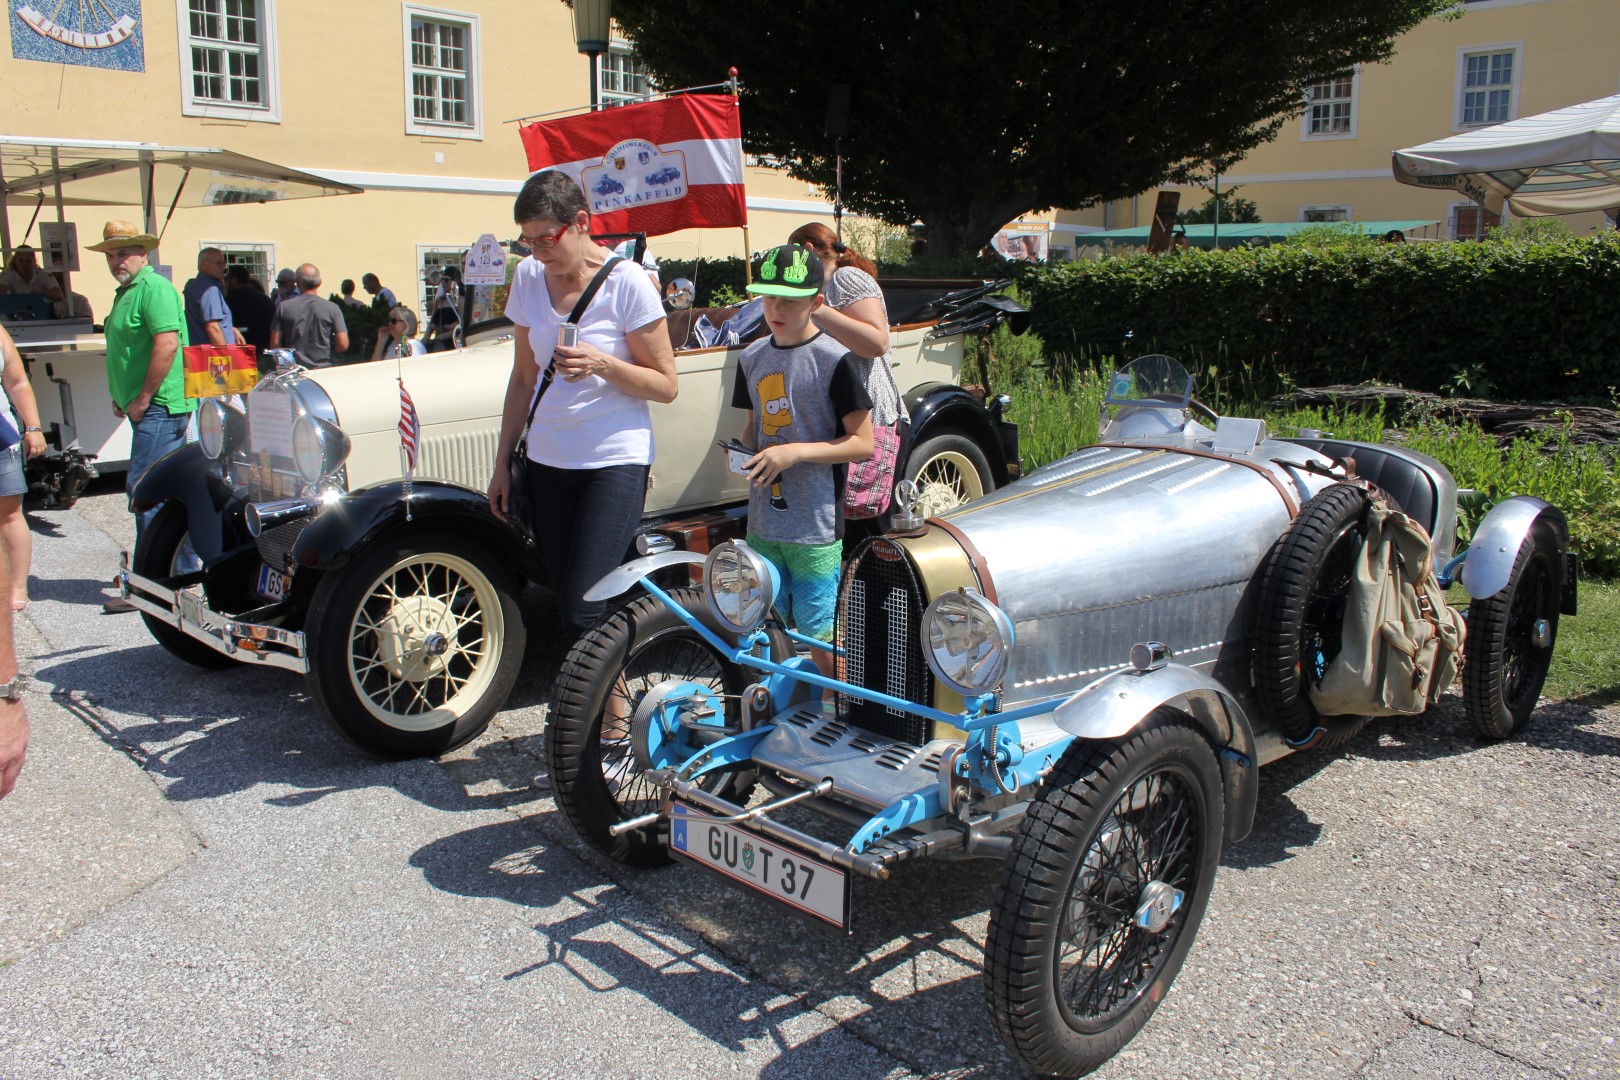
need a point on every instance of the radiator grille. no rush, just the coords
(275, 545)
(880, 607)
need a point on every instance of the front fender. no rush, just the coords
(937, 406)
(1116, 704)
(187, 475)
(359, 518)
(1496, 542)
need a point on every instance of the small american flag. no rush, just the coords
(410, 427)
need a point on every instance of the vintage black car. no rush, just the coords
(398, 601)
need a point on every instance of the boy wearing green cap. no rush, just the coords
(808, 414)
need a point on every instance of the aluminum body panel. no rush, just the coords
(1491, 556)
(1125, 543)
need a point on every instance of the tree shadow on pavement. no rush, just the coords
(606, 940)
(907, 979)
(205, 735)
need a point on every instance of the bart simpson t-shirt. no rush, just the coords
(799, 394)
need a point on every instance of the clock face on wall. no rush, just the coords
(90, 24)
(91, 33)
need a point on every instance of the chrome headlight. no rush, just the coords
(966, 639)
(318, 448)
(217, 424)
(739, 586)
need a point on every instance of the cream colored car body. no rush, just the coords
(458, 396)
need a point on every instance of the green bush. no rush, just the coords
(1534, 317)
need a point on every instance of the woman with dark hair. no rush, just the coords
(401, 326)
(856, 317)
(590, 442)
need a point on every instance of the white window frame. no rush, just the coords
(475, 89)
(1348, 214)
(1463, 53)
(1451, 219)
(269, 77)
(618, 97)
(1306, 135)
(230, 247)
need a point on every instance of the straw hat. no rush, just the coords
(121, 234)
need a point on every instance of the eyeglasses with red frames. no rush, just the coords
(548, 240)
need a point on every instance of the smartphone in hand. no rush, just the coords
(737, 456)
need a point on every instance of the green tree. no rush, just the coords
(1235, 210)
(966, 115)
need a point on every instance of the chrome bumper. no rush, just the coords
(251, 643)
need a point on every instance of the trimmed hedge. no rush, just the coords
(1534, 320)
(710, 274)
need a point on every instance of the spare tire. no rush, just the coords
(1304, 590)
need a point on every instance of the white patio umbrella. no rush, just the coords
(1562, 162)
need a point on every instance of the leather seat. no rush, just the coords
(1406, 482)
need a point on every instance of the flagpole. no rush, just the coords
(732, 84)
(587, 109)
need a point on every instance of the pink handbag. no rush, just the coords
(869, 484)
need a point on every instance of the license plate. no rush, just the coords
(806, 885)
(272, 585)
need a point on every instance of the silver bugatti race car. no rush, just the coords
(1079, 675)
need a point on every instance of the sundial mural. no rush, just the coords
(91, 33)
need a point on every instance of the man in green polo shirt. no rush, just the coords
(146, 329)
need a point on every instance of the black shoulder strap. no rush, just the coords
(584, 301)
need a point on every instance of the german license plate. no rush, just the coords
(807, 885)
(272, 585)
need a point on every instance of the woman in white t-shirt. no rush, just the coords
(590, 444)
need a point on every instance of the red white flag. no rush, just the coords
(652, 167)
(410, 428)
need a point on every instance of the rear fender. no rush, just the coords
(187, 475)
(941, 406)
(1115, 705)
(358, 519)
(1496, 543)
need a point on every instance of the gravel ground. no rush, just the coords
(1416, 904)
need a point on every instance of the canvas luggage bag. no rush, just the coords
(1402, 644)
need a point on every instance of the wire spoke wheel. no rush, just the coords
(1105, 960)
(590, 753)
(415, 647)
(1102, 894)
(684, 657)
(421, 640)
(1510, 640)
(949, 470)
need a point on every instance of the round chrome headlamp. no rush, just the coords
(966, 639)
(318, 448)
(211, 421)
(739, 586)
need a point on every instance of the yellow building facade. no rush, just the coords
(1499, 60)
(411, 102)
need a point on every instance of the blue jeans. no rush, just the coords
(156, 433)
(585, 522)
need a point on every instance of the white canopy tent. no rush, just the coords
(1562, 162)
(92, 172)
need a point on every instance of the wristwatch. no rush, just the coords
(13, 690)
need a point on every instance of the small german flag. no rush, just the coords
(219, 370)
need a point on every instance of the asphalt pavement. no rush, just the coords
(198, 879)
